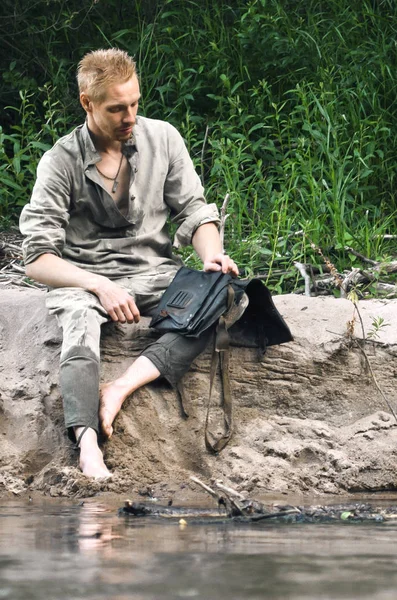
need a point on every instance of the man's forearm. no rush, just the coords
(57, 272)
(207, 242)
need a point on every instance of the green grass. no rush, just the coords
(289, 107)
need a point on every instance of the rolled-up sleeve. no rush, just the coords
(43, 220)
(184, 194)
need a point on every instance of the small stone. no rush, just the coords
(368, 435)
(320, 432)
(384, 417)
(329, 488)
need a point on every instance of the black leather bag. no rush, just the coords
(245, 316)
(195, 300)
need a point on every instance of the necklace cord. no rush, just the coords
(114, 179)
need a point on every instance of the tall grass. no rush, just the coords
(288, 107)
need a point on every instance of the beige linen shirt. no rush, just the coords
(71, 214)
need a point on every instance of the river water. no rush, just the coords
(52, 550)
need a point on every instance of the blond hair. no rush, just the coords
(101, 68)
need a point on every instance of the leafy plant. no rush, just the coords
(378, 323)
(288, 107)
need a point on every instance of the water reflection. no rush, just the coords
(94, 536)
(60, 550)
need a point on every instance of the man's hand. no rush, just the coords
(207, 243)
(221, 262)
(117, 302)
(57, 272)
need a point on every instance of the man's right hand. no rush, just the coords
(117, 302)
(57, 272)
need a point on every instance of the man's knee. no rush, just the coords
(83, 329)
(79, 353)
(80, 315)
(173, 353)
(69, 304)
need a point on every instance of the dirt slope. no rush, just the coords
(308, 417)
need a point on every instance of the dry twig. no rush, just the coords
(302, 270)
(224, 216)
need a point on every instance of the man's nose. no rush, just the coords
(130, 116)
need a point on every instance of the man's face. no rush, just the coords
(114, 117)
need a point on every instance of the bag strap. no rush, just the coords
(221, 355)
(217, 445)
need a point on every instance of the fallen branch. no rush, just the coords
(256, 511)
(205, 487)
(347, 281)
(306, 277)
(229, 490)
(12, 271)
(356, 277)
(360, 256)
(229, 496)
(390, 267)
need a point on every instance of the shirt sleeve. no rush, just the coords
(44, 219)
(184, 194)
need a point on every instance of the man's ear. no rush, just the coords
(85, 102)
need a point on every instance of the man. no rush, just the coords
(96, 234)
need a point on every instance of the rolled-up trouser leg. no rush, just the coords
(172, 354)
(79, 379)
(80, 315)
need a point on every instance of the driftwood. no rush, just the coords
(233, 506)
(323, 284)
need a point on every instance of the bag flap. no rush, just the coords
(193, 301)
(261, 324)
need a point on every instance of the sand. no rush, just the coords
(308, 417)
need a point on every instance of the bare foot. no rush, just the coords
(112, 396)
(92, 465)
(91, 457)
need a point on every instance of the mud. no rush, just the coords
(308, 416)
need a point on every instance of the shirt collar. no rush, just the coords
(91, 154)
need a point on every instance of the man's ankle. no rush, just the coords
(86, 436)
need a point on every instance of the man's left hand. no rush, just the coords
(221, 262)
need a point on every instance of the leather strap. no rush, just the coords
(180, 391)
(78, 440)
(221, 355)
(216, 445)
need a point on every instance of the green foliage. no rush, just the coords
(287, 106)
(378, 323)
(20, 150)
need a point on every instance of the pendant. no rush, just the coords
(114, 187)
